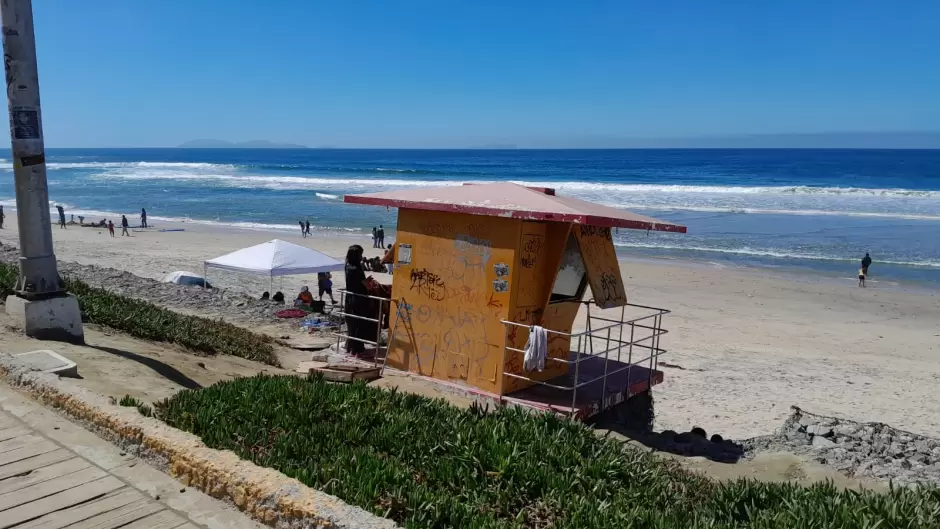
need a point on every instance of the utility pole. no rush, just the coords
(40, 305)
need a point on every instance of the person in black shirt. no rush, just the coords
(124, 226)
(356, 302)
(866, 262)
(380, 243)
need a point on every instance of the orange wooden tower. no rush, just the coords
(471, 259)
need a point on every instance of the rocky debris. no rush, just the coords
(859, 450)
(211, 303)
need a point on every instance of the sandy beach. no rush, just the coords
(745, 343)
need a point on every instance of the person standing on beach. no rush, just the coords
(143, 218)
(111, 228)
(61, 217)
(307, 224)
(380, 243)
(375, 237)
(124, 226)
(866, 262)
(861, 277)
(303, 230)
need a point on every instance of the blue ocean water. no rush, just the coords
(815, 210)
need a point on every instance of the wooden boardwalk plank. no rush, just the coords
(57, 502)
(106, 512)
(43, 474)
(160, 520)
(27, 451)
(33, 463)
(15, 431)
(119, 517)
(19, 442)
(48, 488)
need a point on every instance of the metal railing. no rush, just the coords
(343, 332)
(643, 333)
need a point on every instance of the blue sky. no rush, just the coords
(453, 74)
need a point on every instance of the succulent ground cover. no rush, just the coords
(145, 320)
(425, 463)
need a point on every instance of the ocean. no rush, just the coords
(810, 211)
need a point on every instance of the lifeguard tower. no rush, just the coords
(477, 265)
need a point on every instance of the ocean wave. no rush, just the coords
(579, 186)
(763, 211)
(770, 252)
(283, 182)
(735, 190)
(130, 165)
(93, 215)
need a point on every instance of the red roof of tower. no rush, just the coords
(515, 201)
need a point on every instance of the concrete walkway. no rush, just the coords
(55, 475)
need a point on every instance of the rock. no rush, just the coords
(845, 430)
(864, 469)
(818, 429)
(717, 438)
(921, 459)
(807, 421)
(896, 449)
(820, 443)
(699, 432)
(684, 438)
(905, 464)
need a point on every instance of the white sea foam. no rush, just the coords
(327, 196)
(316, 181)
(763, 211)
(769, 252)
(5, 164)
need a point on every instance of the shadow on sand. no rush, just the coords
(168, 372)
(634, 419)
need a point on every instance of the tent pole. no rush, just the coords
(271, 283)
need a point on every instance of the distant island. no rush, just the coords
(222, 144)
(496, 146)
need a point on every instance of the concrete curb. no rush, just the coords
(262, 493)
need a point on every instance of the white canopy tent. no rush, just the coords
(275, 258)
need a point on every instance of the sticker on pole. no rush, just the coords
(26, 125)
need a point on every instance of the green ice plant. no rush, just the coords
(145, 320)
(425, 463)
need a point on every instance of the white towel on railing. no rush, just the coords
(536, 349)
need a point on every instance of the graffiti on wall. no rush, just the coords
(600, 262)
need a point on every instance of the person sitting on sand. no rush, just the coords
(111, 228)
(278, 297)
(305, 298)
(266, 296)
(861, 277)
